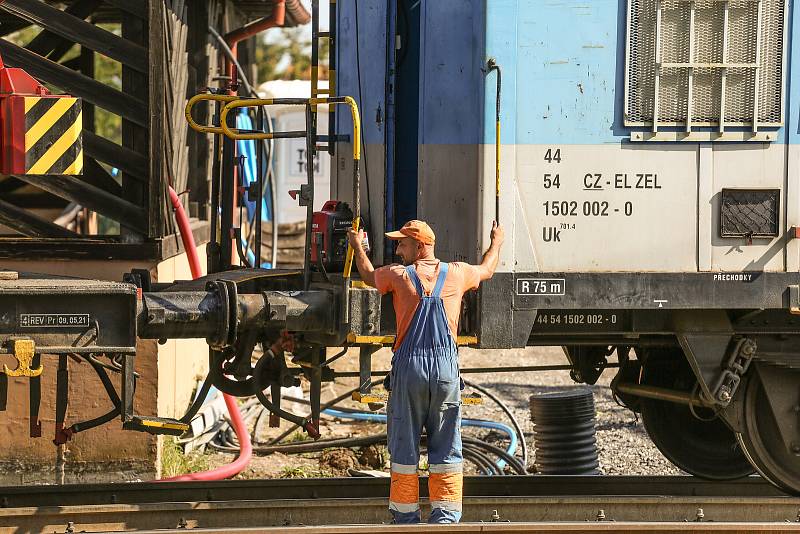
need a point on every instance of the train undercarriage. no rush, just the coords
(718, 402)
(719, 397)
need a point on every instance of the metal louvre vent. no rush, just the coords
(749, 212)
(694, 63)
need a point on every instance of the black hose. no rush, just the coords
(259, 391)
(321, 267)
(336, 356)
(257, 426)
(200, 398)
(97, 421)
(316, 446)
(99, 368)
(472, 443)
(501, 453)
(107, 384)
(340, 408)
(239, 250)
(104, 365)
(508, 413)
(513, 461)
(483, 462)
(357, 34)
(474, 452)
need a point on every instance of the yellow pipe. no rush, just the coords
(348, 260)
(356, 117)
(203, 128)
(243, 103)
(251, 102)
(497, 161)
(389, 340)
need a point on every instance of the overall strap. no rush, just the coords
(412, 273)
(437, 290)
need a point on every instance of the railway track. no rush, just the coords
(525, 528)
(503, 504)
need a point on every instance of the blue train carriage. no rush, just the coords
(648, 186)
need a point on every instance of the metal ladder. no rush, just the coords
(316, 40)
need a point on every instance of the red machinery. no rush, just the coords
(329, 235)
(40, 133)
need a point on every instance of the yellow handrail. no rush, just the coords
(252, 102)
(204, 128)
(339, 100)
(235, 102)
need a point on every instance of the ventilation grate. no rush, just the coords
(701, 63)
(749, 212)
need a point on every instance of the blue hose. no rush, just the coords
(480, 423)
(250, 175)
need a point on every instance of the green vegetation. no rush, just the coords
(304, 471)
(298, 435)
(289, 57)
(174, 462)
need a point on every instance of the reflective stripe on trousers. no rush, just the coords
(425, 393)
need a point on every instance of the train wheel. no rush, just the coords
(761, 439)
(705, 447)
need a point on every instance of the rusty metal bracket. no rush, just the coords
(62, 434)
(23, 350)
(34, 400)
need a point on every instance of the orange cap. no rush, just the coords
(418, 230)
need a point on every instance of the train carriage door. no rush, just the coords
(406, 138)
(362, 59)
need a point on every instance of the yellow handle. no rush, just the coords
(252, 102)
(204, 128)
(243, 103)
(348, 261)
(349, 102)
(497, 160)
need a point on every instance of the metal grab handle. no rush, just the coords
(337, 100)
(204, 128)
(233, 133)
(236, 135)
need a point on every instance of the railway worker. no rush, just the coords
(424, 382)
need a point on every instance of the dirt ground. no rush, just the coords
(623, 446)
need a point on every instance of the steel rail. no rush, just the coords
(324, 488)
(255, 505)
(596, 512)
(520, 528)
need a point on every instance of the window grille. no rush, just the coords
(705, 63)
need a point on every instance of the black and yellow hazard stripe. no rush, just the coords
(53, 135)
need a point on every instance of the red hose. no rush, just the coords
(186, 234)
(245, 447)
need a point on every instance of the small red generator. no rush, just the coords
(329, 235)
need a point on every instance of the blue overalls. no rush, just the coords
(425, 392)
